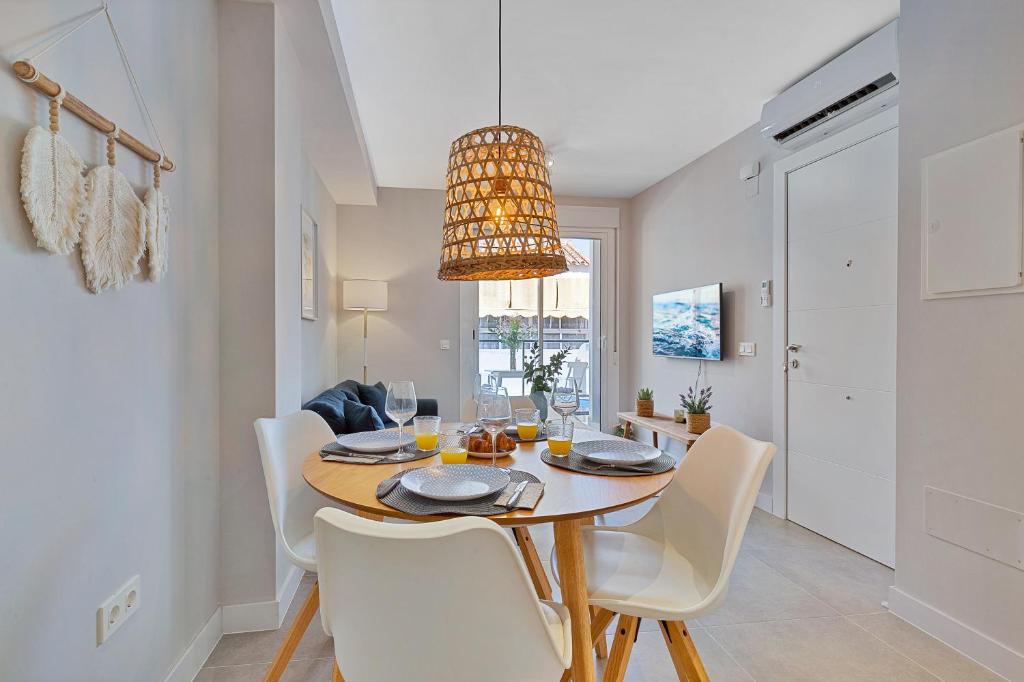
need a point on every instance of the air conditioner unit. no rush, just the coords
(855, 85)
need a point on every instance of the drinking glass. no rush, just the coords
(494, 412)
(454, 447)
(565, 398)
(426, 430)
(527, 423)
(560, 437)
(401, 406)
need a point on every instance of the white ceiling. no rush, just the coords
(623, 93)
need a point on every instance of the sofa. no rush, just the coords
(351, 407)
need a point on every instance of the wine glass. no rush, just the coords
(494, 412)
(401, 407)
(565, 398)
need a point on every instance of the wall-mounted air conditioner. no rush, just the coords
(855, 85)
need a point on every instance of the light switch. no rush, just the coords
(748, 348)
(446, 344)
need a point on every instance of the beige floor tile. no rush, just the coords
(233, 673)
(944, 662)
(847, 581)
(650, 660)
(309, 670)
(759, 593)
(766, 531)
(831, 649)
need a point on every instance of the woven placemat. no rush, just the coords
(577, 462)
(405, 501)
(348, 456)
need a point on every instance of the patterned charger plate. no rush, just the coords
(455, 482)
(374, 441)
(617, 452)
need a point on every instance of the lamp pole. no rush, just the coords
(366, 316)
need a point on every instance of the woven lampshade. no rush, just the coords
(499, 214)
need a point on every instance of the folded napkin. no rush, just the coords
(528, 500)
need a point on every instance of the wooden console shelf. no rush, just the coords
(659, 423)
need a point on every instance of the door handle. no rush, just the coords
(794, 347)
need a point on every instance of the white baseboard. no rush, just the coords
(975, 645)
(195, 655)
(764, 502)
(263, 615)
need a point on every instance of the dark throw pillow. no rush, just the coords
(359, 417)
(331, 409)
(375, 395)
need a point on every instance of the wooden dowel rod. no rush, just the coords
(26, 72)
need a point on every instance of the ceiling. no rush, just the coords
(622, 93)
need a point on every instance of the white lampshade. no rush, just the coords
(364, 294)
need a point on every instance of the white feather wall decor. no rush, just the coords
(52, 187)
(114, 232)
(157, 222)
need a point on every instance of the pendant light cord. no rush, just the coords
(499, 63)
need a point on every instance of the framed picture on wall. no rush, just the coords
(309, 250)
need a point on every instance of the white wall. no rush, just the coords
(320, 337)
(960, 373)
(697, 227)
(109, 402)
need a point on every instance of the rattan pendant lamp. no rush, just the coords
(499, 214)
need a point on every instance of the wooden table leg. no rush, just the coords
(600, 643)
(573, 581)
(533, 565)
(654, 437)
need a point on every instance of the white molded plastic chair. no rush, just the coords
(434, 602)
(284, 443)
(674, 563)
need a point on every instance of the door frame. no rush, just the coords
(876, 125)
(588, 222)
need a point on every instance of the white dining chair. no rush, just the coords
(284, 443)
(434, 602)
(674, 563)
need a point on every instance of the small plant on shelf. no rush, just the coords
(697, 404)
(645, 402)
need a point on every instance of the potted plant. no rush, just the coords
(645, 402)
(542, 377)
(698, 409)
(511, 334)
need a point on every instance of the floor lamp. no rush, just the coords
(365, 295)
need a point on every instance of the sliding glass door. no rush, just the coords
(559, 315)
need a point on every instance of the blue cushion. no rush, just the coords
(331, 409)
(375, 396)
(349, 389)
(359, 417)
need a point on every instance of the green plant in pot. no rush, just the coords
(541, 377)
(512, 333)
(697, 404)
(645, 402)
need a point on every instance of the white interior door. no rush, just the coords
(841, 334)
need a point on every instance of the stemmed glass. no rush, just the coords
(401, 407)
(494, 412)
(565, 398)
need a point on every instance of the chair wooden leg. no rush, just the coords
(622, 647)
(294, 635)
(599, 619)
(336, 674)
(684, 654)
(533, 565)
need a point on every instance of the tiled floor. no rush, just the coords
(799, 608)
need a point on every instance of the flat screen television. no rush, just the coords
(688, 323)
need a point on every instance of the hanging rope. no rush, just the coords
(59, 39)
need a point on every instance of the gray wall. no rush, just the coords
(960, 372)
(399, 240)
(695, 227)
(320, 338)
(109, 402)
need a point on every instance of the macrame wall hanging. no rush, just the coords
(101, 210)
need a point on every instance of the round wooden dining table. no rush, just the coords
(570, 501)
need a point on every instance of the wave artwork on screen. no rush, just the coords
(688, 323)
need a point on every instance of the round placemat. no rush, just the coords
(405, 501)
(576, 462)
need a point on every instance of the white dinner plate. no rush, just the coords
(455, 482)
(617, 452)
(374, 441)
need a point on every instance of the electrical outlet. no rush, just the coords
(118, 608)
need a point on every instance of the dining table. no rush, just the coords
(570, 501)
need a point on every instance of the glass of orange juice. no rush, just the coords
(454, 447)
(426, 430)
(560, 437)
(527, 423)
